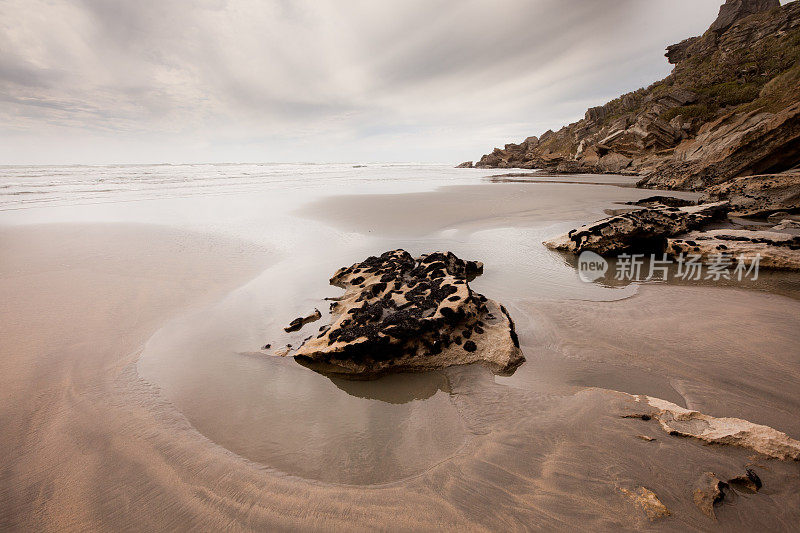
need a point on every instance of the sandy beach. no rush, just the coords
(399, 266)
(133, 396)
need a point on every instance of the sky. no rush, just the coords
(178, 81)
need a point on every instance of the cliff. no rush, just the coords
(730, 108)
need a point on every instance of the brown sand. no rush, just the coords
(88, 445)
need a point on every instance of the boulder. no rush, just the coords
(640, 230)
(654, 132)
(614, 162)
(465, 164)
(399, 313)
(492, 160)
(775, 250)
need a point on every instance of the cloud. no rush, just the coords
(316, 80)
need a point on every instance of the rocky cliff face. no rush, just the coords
(730, 107)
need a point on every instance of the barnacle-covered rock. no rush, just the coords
(405, 314)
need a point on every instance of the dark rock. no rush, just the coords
(298, 323)
(640, 230)
(678, 52)
(750, 482)
(658, 201)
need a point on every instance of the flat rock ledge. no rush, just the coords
(683, 422)
(779, 251)
(640, 230)
(399, 314)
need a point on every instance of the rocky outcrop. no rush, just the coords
(662, 226)
(765, 440)
(760, 195)
(640, 230)
(737, 144)
(678, 52)
(780, 251)
(465, 164)
(399, 313)
(730, 108)
(734, 10)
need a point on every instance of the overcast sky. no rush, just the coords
(97, 81)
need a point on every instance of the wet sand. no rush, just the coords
(95, 445)
(468, 207)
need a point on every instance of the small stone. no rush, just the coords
(648, 501)
(709, 491)
(750, 482)
(298, 323)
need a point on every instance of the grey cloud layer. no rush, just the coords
(101, 80)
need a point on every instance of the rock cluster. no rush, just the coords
(731, 107)
(400, 313)
(678, 228)
(640, 230)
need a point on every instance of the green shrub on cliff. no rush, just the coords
(730, 93)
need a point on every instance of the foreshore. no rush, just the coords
(91, 444)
